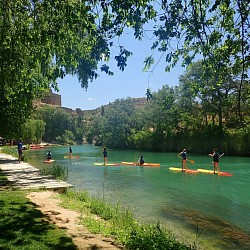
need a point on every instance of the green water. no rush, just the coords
(218, 207)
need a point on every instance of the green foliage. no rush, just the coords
(33, 131)
(197, 114)
(66, 138)
(56, 171)
(10, 150)
(117, 123)
(116, 221)
(237, 141)
(60, 125)
(141, 139)
(38, 46)
(153, 238)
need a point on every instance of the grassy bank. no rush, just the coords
(22, 226)
(118, 222)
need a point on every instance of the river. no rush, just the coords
(211, 210)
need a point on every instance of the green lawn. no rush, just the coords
(3, 180)
(22, 226)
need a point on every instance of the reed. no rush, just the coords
(57, 172)
(118, 222)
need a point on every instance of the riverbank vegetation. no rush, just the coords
(209, 108)
(116, 221)
(198, 115)
(56, 171)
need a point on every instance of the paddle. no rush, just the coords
(98, 155)
(191, 161)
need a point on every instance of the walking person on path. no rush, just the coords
(20, 150)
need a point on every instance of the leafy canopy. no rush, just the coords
(43, 40)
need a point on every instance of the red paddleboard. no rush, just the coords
(48, 161)
(206, 171)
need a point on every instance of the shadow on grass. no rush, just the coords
(3, 180)
(22, 226)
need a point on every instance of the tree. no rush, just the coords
(57, 122)
(33, 131)
(41, 41)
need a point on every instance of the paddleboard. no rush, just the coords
(71, 157)
(48, 161)
(190, 171)
(107, 164)
(206, 171)
(146, 164)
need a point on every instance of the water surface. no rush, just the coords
(216, 207)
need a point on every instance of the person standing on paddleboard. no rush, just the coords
(105, 155)
(216, 156)
(183, 155)
(70, 152)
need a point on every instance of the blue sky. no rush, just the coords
(132, 82)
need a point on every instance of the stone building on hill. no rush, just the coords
(52, 99)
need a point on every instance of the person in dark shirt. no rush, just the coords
(49, 156)
(20, 150)
(105, 155)
(216, 156)
(141, 160)
(183, 155)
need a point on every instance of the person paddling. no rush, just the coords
(49, 156)
(105, 155)
(70, 152)
(141, 160)
(216, 156)
(183, 155)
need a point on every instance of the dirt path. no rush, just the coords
(48, 204)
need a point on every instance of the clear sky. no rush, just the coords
(132, 82)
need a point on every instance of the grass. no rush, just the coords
(11, 150)
(22, 226)
(119, 223)
(3, 180)
(58, 172)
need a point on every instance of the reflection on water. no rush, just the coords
(209, 209)
(233, 236)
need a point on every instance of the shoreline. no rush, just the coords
(48, 202)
